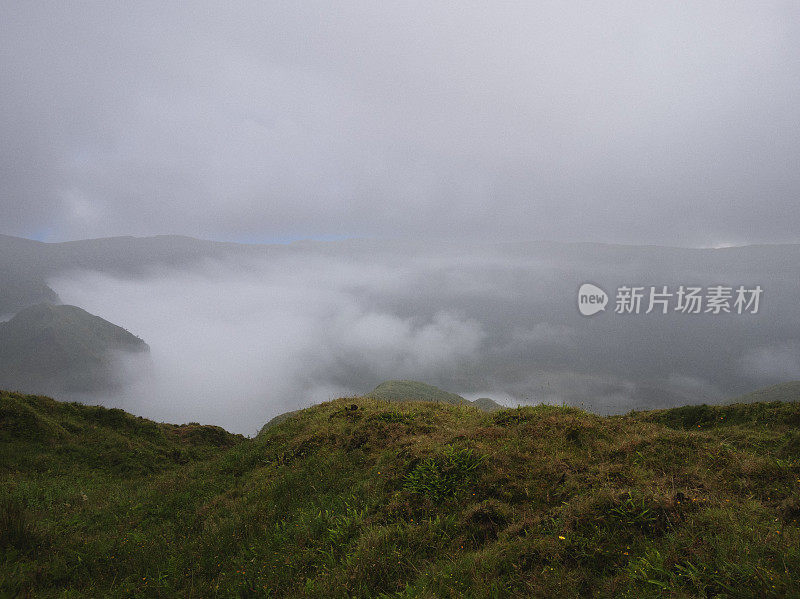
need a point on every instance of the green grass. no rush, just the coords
(364, 498)
(444, 475)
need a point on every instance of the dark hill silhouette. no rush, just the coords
(50, 348)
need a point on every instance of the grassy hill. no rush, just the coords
(396, 391)
(17, 291)
(416, 391)
(52, 348)
(362, 498)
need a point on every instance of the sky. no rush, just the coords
(626, 122)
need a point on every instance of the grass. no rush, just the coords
(443, 475)
(361, 498)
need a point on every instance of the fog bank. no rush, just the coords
(236, 341)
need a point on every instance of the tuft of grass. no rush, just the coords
(444, 475)
(633, 511)
(396, 416)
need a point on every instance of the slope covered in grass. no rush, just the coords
(363, 498)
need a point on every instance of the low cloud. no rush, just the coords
(236, 345)
(235, 342)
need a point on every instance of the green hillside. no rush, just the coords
(40, 436)
(51, 348)
(362, 498)
(18, 291)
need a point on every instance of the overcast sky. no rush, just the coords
(632, 122)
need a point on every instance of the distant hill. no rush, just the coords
(19, 290)
(278, 419)
(371, 499)
(414, 391)
(56, 348)
(549, 356)
(396, 391)
(26, 265)
(789, 391)
(487, 405)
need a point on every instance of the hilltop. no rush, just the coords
(364, 498)
(416, 391)
(397, 391)
(61, 348)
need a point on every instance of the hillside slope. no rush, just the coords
(40, 436)
(56, 348)
(789, 391)
(358, 498)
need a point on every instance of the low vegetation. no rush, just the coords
(364, 498)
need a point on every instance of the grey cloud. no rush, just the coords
(773, 361)
(625, 122)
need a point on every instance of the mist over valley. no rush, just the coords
(280, 327)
